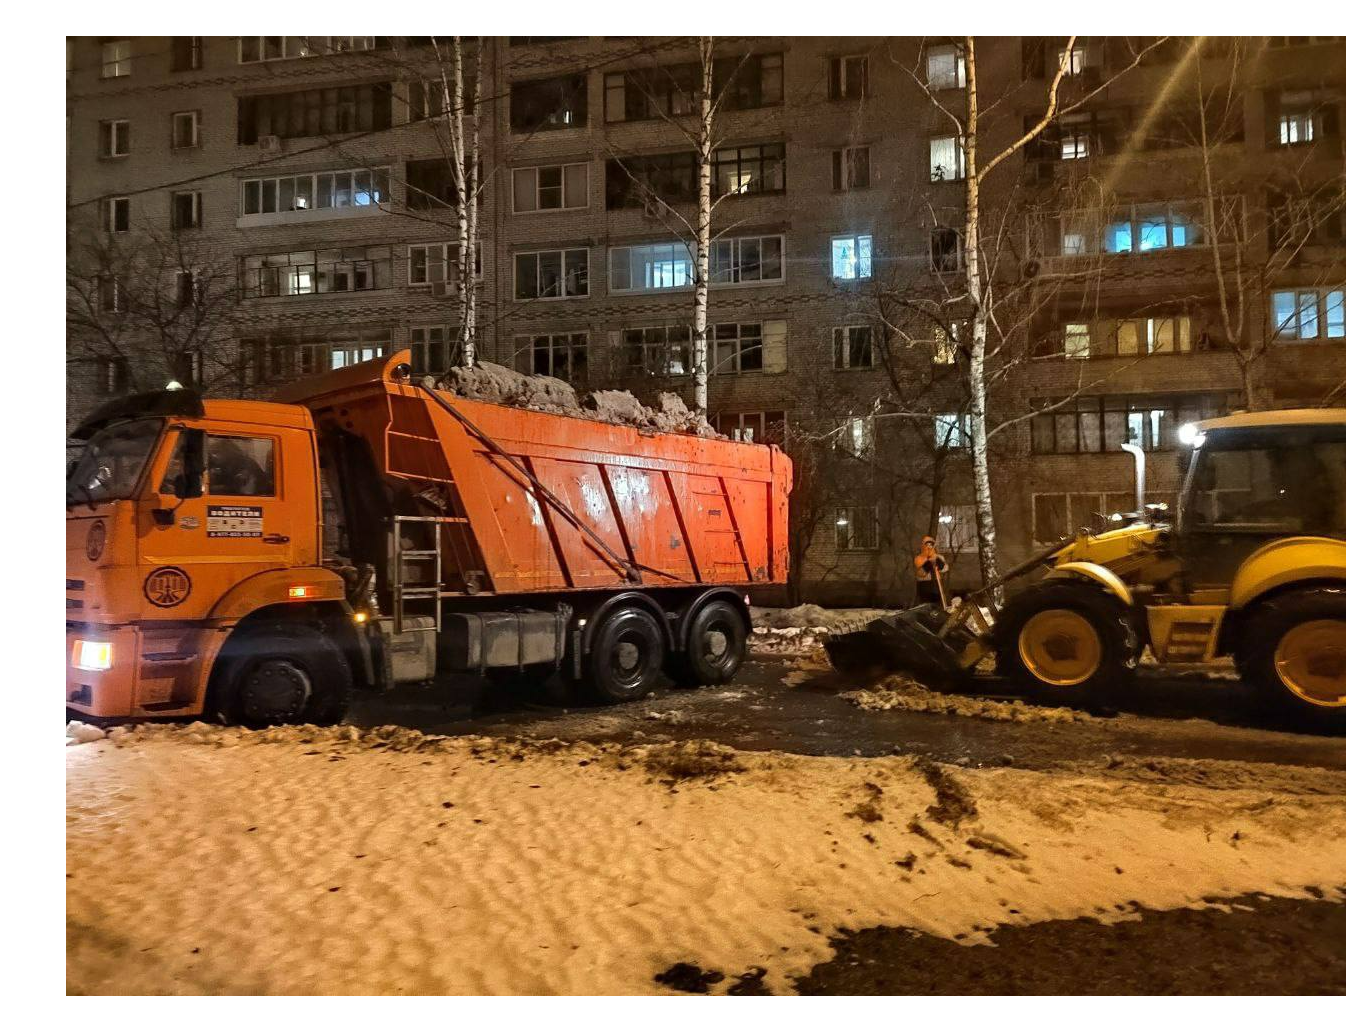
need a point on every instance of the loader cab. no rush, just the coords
(1252, 479)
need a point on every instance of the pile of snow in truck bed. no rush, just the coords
(487, 381)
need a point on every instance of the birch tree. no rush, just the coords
(979, 311)
(465, 159)
(697, 125)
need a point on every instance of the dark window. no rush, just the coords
(851, 168)
(1103, 424)
(185, 210)
(549, 104)
(853, 347)
(556, 274)
(112, 374)
(945, 249)
(747, 170)
(559, 355)
(186, 52)
(638, 180)
(117, 214)
(848, 77)
(745, 83)
(430, 185)
(348, 108)
(239, 466)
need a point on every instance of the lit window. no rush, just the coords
(1295, 128)
(1077, 343)
(1296, 315)
(945, 67)
(851, 257)
(952, 430)
(947, 159)
(1073, 146)
(660, 266)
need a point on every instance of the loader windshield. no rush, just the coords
(1277, 480)
(111, 464)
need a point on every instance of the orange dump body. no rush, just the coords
(543, 502)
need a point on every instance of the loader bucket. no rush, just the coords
(903, 642)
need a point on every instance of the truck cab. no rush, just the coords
(184, 517)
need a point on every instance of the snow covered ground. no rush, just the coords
(307, 860)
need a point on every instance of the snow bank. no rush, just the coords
(487, 381)
(787, 631)
(341, 861)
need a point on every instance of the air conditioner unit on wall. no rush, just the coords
(268, 143)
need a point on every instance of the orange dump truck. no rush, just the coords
(254, 561)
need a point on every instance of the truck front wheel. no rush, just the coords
(279, 673)
(1067, 642)
(1294, 653)
(625, 657)
(716, 646)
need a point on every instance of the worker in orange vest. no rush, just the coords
(929, 566)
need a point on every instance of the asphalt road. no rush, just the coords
(1186, 716)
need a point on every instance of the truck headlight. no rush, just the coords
(1189, 434)
(91, 656)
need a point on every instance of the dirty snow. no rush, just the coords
(309, 860)
(903, 692)
(802, 629)
(488, 381)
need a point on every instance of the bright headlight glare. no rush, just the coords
(91, 656)
(1190, 435)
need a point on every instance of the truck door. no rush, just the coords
(241, 523)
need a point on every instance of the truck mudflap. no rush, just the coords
(138, 671)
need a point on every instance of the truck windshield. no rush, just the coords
(112, 462)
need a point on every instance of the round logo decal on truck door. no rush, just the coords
(166, 587)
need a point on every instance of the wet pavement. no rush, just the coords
(1191, 715)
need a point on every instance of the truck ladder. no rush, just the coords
(402, 592)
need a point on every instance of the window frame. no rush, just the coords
(735, 263)
(108, 138)
(1321, 296)
(932, 176)
(840, 63)
(840, 165)
(121, 62)
(562, 168)
(377, 175)
(855, 240)
(572, 344)
(773, 161)
(958, 77)
(109, 213)
(562, 254)
(193, 116)
(196, 211)
(845, 534)
(739, 348)
(629, 248)
(843, 346)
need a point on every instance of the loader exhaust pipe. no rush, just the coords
(1137, 452)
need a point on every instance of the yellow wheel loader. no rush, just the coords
(1250, 565)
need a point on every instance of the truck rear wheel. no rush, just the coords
(625, 657)
(279, 673)
(716, 646)
(1294, 654)
(1067, 642)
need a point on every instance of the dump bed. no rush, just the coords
(542, 502)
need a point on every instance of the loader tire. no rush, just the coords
(279, 673)
(716, 646)
(911, 641)
(625, 659)
(1292, 651)
(1067, 643)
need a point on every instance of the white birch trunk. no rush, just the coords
(979, 316)
(468, 266)
(700, 325)
(453, 109)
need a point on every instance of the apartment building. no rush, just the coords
(292, 198)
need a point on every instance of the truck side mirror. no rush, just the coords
(189, 483)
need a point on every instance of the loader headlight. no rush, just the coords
(1191, 436)
(91, 656)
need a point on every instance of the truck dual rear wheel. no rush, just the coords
(1294, 653)
(279, 673)
(1067, 642)
(625, 658)
(716, 646)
